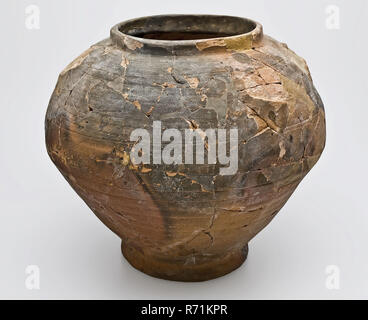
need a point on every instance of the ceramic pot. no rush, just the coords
(180, 74)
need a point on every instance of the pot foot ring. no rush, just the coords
(194, 268)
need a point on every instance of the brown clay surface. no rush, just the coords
(183, 222)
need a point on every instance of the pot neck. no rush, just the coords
(191, 34)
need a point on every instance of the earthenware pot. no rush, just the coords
(167, 77)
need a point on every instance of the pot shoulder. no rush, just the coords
(266, 92)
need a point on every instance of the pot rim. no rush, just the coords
(124, 34)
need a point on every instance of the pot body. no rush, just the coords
(185, 221)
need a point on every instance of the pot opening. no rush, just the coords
(181, 35)
(187, 27)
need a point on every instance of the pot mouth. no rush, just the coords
(197, 32)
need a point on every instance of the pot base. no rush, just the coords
(199, 268)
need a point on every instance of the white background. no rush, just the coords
(44, 223)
